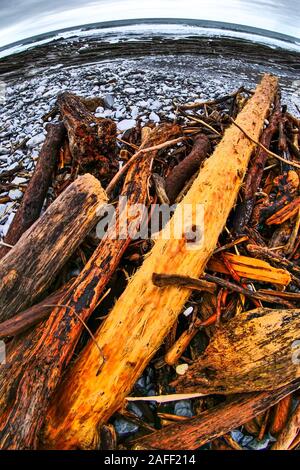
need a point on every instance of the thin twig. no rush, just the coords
(269, 152)
(123, 170)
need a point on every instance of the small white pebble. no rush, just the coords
(188, 311)
(19, 180)
(182, 369)
(15, 194)
(126, 124)
(154, 117)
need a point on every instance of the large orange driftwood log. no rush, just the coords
(142, 317)
(31, 265)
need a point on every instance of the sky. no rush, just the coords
(20, 19)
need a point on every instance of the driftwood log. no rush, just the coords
(185, 169)
(34, 378)
(33, 199)
(142, 317)
(253, 351)
(91, 139)
(31, 265)
(252, 182)
(195, 432)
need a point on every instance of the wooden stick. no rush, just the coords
(206, 285)
(33, 315)
(30, 267)
(144, 314)
(91, 139)
(271, 154)
(33, 199)
(215, 422)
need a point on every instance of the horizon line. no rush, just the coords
(102, 25)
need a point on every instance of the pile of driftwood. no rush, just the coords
(83, 317)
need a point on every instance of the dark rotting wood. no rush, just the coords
(32, 264)
(187, 168)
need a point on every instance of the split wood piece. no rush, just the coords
(33, 315)
(32, 264)
(250, 268)
(36, 379)
(289, 433)
(276, 259)
(215, 422)
(253, 351)
(144, 314)
(285, 213)
(286, 187)
(185, 169)
(33, 199)
(293, 296)
(255, 173)
(91, 139)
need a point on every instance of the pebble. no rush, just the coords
(15, 194)
(109, 100)
(124, 428)
(188, 311)
(19, 180)
(134, 112)
(36, 140)
(154, 117)
(181, 369)
(183, 408)
(3, 151)
(126, 124)
(130, 91)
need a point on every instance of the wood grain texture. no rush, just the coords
(252, 351)
(30, 267)
(250, 268)
(215, 422)
(144, 314)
